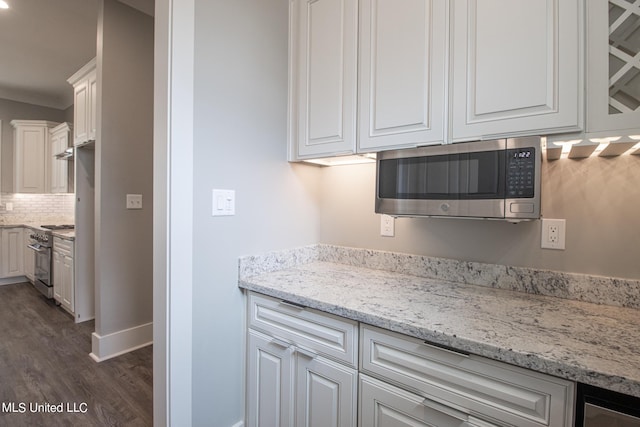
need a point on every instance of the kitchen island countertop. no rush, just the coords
(581, 341)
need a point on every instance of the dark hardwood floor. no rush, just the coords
(45, 366)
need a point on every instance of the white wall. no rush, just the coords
(124, 154)
(597, 197)
(239, 144)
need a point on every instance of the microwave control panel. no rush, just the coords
(521, 172)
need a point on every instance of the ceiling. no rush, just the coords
(43, 42)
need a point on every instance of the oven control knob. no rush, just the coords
(444, 207)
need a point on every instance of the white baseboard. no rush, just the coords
(238, 424)
(13, 280)
(121, 342)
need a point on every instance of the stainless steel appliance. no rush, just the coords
(599, 408)
(498, 179)
(41, 242)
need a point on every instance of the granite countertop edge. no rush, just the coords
(595, 369)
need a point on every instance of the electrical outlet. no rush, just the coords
(387, 225)
(553, 234)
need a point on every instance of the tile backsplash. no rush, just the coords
(37, 208)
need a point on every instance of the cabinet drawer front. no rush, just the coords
(500, 391)
(323, 333)
(62, 245)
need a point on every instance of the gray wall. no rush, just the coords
(597, 196)
(12, 110)
(124, 165)
(240, 144)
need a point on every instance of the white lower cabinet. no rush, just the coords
(11, 252)
(302, 371)
(466, 387)
(63, 284)
(384, 405)
(299, 379)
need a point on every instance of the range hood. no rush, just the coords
(66, 154)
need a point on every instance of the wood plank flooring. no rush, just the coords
(45, 366)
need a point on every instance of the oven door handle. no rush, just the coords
(37, 248)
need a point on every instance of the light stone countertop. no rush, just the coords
(581, 341)
(63, 234)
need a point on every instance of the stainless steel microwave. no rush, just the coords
(497, 179)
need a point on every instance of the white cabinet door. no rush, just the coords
(12, 252)
(56, 275)
(401, 73)
(59, 176)
(67, 283)
(92, 88)
(383, 405)
(63, 280)
(322, 104)
(29, 256)
(85, 90)
(613, 66)
(326, 392)
(80, 112)
(31, 156)
(269, 382)
(516, 67)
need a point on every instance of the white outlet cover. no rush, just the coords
(547, 241)
(387, 225)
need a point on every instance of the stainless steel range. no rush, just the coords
(41, 242)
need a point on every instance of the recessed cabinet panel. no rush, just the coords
(324, 80)
(402, 66)
(91, 113)
(516, 67)
(11, 252)
(326, 393)
(524, 43)
(80, 111)
(33, 160)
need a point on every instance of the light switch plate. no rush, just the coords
(224, 202)
(134, 201)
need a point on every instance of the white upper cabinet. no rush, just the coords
(32, 155)
(431, 71)
(59, 176)
(613, 66)
(85, 87)
(322, 78)
(516, 67)
(402, 68)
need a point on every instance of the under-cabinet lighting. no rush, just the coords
(600, 148)
(344, 160)
(633, 149)
(4, 4)
(566, 146)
